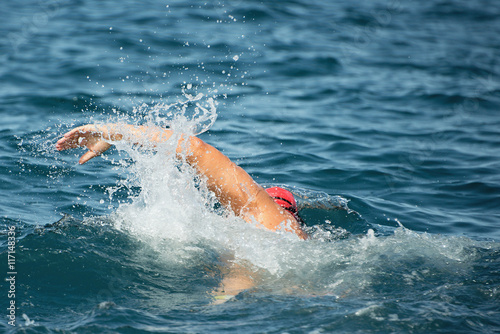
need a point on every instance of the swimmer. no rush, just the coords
(234, 188)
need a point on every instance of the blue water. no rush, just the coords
(381, 116)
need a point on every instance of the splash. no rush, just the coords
(193, 114)
(168, 205)
(171, 197)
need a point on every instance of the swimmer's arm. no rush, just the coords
(236, 279)
(237, 190)
(234, 187)
(98, 138)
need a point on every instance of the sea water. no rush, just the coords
(380, 116)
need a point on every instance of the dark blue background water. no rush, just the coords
(392, 105)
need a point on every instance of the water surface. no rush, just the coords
(382, 117)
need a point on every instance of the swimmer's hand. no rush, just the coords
(90, 136)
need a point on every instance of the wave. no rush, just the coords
(92, 273)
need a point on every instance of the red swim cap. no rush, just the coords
(284, 198)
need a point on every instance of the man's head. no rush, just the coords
(285, 199)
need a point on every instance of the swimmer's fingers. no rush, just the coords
(84, 136)
(94, 151)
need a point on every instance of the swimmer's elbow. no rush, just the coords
(193, 148)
